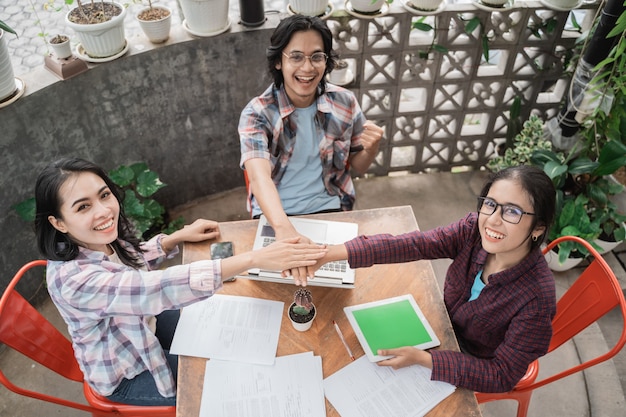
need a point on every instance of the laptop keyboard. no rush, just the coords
(335, 266)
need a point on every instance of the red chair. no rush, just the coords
(595, 293)
(24, 329)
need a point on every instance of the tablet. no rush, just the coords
(390, 323)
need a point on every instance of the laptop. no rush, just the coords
(333, 274)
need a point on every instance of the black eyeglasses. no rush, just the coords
(509, 213)
(317, 59)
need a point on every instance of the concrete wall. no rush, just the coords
(175, 107)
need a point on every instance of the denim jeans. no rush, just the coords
(142, 390)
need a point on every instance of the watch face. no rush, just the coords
(220, 250)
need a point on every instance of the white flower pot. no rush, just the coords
(562, 4)
(553, 262)
(205, 16)
(157, 31)
(301, 327)
(7, 77)
(101, 40)
(494, 3)
(62, 50)
(309, 7)
(607, 245)
(426, 5)
(367, 6)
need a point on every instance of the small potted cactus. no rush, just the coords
(302, 310)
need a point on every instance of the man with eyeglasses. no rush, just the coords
(301, 136)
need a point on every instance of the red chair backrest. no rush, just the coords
(595, 292)
(24, 329)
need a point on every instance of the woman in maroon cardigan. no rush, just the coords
(499, 291)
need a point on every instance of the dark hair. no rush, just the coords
(59, 246)
(540, 190)
(282, 36)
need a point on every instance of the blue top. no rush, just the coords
(477, 287)
(302, 190)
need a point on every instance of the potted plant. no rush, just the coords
(369, 7)
(100, 28)
(61, 46)
(572, 220)
(155, 21)
(417, 6)
(7, 77)
(308, 7)
(205, 17)
(524, 144)
(302, 311)
(612, 225)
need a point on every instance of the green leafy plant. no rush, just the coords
(525, 143)
(470, 26)
(573, 220)
(139, 184)
(7, 28)
(583, 191)
(420, 24)
(303, 299)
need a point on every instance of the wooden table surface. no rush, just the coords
(374, 283)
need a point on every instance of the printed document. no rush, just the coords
(364, 389)
(292, 387)
(229, 327)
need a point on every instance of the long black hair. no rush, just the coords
(540, 190)
(282, 36)
(58, 246)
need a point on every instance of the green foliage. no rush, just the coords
(7, 28)
(574, 220)
(546, 26)
(139, 183)
(26, 209)
(471, 26)
(583, 191)
(608, 122)
(525, 143)
(420, 24)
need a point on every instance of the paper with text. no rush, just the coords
(228, 327)
(365, 389)
(292, 387)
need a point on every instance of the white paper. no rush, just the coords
(228, 327)
(365, 389)
(292, 387)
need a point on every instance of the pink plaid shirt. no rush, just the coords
(105, 306)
